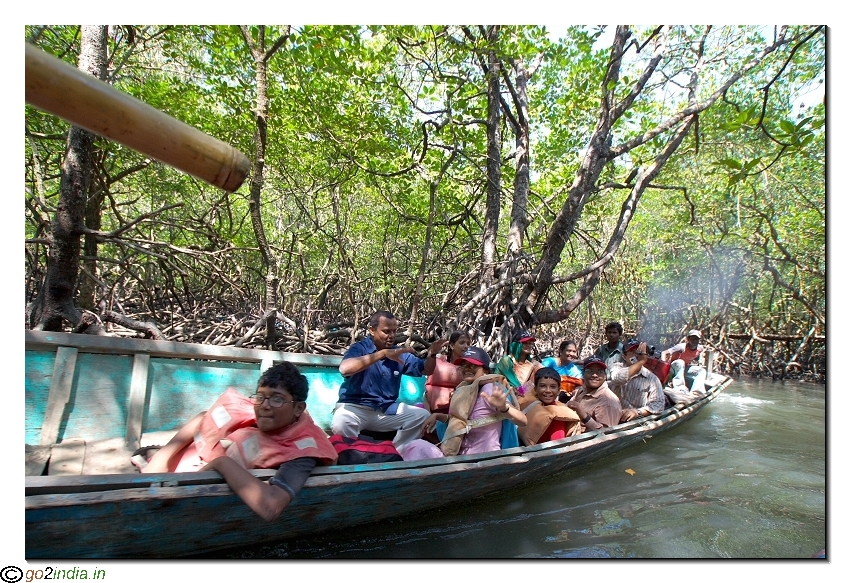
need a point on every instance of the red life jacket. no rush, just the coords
(232, 418)
(541, 416)
(688, 354)
(659, 367)
(441, 383)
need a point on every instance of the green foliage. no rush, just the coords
(349, 172)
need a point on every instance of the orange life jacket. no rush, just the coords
(568, 383)
(441, 383)
(540, 416)
(231, 421)
(688, 354)
(230, 412)
(254, 449)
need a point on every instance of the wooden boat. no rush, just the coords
(93, 399)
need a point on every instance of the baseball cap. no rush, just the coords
(475, 355)
(594, 361)
(523, 336)
(631, 345)
(695, 332)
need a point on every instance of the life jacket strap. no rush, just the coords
(480, 422)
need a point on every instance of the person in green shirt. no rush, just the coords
(612, 351)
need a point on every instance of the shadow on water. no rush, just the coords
(744, 479)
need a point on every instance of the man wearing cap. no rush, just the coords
(639, 390)
(684, 363)
(517, 366)
(596, 405)
(369, 393)
(612, 351)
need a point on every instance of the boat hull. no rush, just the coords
(174, 515)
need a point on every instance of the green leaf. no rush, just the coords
(787, 126)
(730, 163)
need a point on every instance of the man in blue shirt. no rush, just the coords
(368, 395)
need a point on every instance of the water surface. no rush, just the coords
(745, 478)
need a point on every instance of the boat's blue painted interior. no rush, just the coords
(177, 390)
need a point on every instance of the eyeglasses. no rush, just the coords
(275, 400)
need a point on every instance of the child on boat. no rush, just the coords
(548, 419)
(269, 429)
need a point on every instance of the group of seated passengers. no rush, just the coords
(483, 412)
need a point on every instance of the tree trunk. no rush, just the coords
(270, 267)
(519, 211)
(494, 162)
(55, 303)
(93, 219)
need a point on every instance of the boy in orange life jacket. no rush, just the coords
(548, 419)
(685, 366)
(277, 432)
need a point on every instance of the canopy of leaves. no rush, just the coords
(365, 122)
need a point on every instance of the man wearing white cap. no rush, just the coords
(684, 363)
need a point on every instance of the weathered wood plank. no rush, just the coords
(138, 394)
(266, 364)
(108, 456)
(38, 374)
(100, 397)
(60, 393)
(67, 458)
(35, 339)
(35, 459)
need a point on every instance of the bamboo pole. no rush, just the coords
(58, 88)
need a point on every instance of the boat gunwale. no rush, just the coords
(40, 340)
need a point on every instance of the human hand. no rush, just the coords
(498, 400)
(578, 407)
(629, 414)
(211, 465)
(437, 346)
(430, 424)
(641, 353)
(396, 353)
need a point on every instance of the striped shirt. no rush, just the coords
(642, 391)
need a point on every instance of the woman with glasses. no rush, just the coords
(479, 406)
(270, 429)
